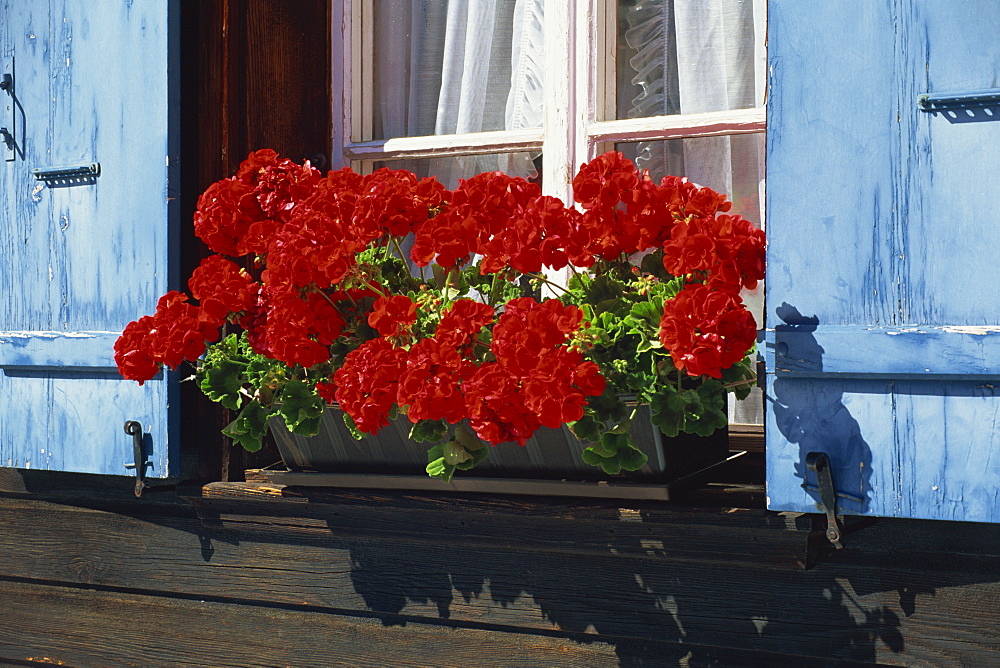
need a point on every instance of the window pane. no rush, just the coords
(456, 66)
(689, 56)
(732, 165)
(449, 170)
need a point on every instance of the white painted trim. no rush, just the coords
(560, 119)
(708, 124)
(502, 141)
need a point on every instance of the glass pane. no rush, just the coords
(449, 170)
(456, 66)
(689, 56)
(732, 165)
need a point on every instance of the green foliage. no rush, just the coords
(301, 408)
(460, 453)
(429, 431)
(741, 377)
(614, 452)
(352, 427)
(222, 381)
(699, 410)
(248, 429)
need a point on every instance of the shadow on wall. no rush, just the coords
(813, 414)
(656, 611)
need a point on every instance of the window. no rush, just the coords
(534, 88)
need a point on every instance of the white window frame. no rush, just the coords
(574, 130)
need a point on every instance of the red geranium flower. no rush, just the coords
(705, 331)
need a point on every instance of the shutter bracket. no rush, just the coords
(134, 429)
(819, 463)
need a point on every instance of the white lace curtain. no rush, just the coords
(459, 66)
(693, 56)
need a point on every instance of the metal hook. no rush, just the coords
(134, 429)
(819, 462)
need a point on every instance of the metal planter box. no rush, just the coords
(550, 462)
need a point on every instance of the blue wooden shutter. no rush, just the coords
(884, 250)
(82, 255)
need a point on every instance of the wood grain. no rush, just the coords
(647, 582)
(92, 84)
(55, 625)
(884, 355)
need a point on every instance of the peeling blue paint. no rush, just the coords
(901, 276)
(77, 263)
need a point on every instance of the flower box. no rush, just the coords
(469, 335)
(549, 463)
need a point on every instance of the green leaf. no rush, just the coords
(301, 407)
(429, 431)
(645, 315)
(632, 459)
(604, 292)
(614, 452)
(454, 454)
(249, 427)
(744, 372)
(594, 459)
(652, 263)
(437, 467)
(670, 289)
(667, 408)
(352, 426)
(708, 414)
(477, 456)
(222, 381)
(606, 446)
(467, 438)
(587, 429)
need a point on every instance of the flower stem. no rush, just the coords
(540, 277)
(406, 265)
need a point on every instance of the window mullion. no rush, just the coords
(560, 121)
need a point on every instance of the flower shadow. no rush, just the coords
(815, 415)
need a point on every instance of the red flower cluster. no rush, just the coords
(462, 321)
(480, 209)
(299, 328)
(176, 332)
(706, 331)
(238, 215)
(535, 379)
(365, 386)
(391, 315)
(727, 250)
(222, 287)
(306, 231)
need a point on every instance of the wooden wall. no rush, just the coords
(247, 574)
(256, 74)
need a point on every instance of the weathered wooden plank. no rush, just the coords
(853, 607)
(64, 350)
(86, 257)
(57, 625)
(896, 352)
(861, 268)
